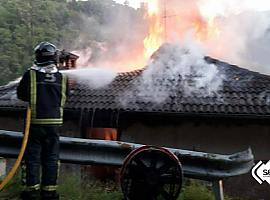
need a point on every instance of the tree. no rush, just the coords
(23, 24)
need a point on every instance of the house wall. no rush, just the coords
(70, 128)
(220, 136)
(247, 187)
(11, 123)
(223, 138)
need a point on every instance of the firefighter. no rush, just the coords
(45, 88)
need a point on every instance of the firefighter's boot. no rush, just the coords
(49, 195)
(30, 195)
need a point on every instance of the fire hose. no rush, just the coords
(20, 156)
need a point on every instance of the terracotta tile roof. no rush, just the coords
(243, 92)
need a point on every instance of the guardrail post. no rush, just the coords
(2, 168)
(218, 189)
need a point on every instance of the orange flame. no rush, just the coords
(154, 39)
(201, 20)
(182, 17)
(205, 30)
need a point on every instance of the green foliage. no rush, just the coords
(23, 24)
(68, 24)
(73, 187)
(12, 190)
(194, 190)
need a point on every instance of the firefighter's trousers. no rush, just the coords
(41, 155)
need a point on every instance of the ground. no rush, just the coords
(73, 187)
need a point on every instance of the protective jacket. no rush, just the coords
(46, 94)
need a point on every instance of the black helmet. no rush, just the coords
(46, 53)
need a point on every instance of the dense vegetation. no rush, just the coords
(23, 24)
(74, 187)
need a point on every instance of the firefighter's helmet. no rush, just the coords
(45, 53)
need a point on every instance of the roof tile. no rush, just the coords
(243, 92)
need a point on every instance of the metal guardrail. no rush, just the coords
(198, 165)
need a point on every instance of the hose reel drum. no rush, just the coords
(151, 173)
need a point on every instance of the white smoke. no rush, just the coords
(243, 27)
(237, 32)
(176, 68)
(244, 32)
(93, 78)
(244, 40)
(84, 57)
(113, 39)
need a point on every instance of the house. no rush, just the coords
(233, 119)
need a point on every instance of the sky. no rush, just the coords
(260, 5)
(132, 3)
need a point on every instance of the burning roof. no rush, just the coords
(243, 92)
